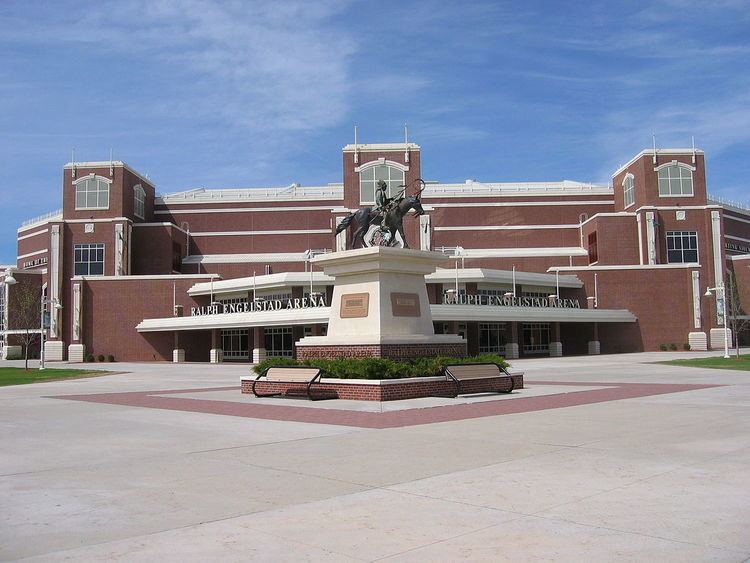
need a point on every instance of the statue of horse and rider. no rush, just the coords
(388, 215)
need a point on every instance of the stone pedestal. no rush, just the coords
(259, 354)
(379, 307)
(216, 355)
(11, 353)
(76, 353)
(699, 341)
(54, 350)
(178, 355)
(717, 338)
(555, 349)
(511, 351)
(594, 348)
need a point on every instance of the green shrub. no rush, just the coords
(100, 357)
(686, 346)
(110, 358)
(89, 358)
(380, 368)
(673, 346)
(663, 347)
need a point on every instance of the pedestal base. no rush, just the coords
(594, 348)
(403, 348)
(216, 356)
(259, 354)
(698, 341)
(511, 351)
(76, 353)
(178, 356)
(555, 349)
(717, 338)
(11, 353)
(53, 351)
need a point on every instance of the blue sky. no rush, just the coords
(242, 94)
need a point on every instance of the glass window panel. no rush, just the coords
(381, 173)
(367, 192)
(663, 186)
(367, 174)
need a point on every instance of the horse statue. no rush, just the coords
(389, 220)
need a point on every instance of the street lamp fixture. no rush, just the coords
(721, 293)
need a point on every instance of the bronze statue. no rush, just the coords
(388, 215)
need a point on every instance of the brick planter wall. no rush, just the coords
(390, 351)
(386, 390)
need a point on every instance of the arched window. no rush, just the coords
(675, 179)
(92, 192)
(368, 179)
(628, 190)
(139, 202)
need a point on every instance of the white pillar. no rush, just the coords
(53, 350)
(555, 349)
(76, 353)
(178, 355)
(699, 341)
(511, 351)
(216, 355)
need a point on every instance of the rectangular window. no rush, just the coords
(536, 338)
(139, 202)
(628, 191)
(491, 338)
(682, 247)
(279, 341)
(89, 259)
(235, 344)
(593, 249)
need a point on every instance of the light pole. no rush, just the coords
(56, 305)
(720, 289)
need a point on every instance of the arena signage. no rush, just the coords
(259, 305)
(502, 301)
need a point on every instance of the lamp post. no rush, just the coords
(56, 305)
(720, 289)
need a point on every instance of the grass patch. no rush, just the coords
(742, 363)
(18, 376)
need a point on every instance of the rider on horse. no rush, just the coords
(383, 202)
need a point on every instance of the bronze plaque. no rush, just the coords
(405, 304)
(354, 305)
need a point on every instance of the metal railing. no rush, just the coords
(57, 214)
(728, 202)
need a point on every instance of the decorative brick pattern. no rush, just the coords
(390, 391)
(396, 352)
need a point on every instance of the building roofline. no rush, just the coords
(650, 152)
(379, 147)
(106, 164)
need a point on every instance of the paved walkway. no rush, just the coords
(641, 476)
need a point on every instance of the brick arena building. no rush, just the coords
(226, 274)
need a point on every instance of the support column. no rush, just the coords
(511, 347)
(594, 344)
(555, 346)
(216, 356)
(77, 351)
(178, 354)
(259, 344)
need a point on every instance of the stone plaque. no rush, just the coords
(405, 304)
(354, 305)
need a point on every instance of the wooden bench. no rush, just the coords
(304, 375)
(471, 372)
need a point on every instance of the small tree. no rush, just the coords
(737, 318)
(24, 314)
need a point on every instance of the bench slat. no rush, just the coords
(291, 374)
(469, 371)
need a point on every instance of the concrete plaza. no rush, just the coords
(663, 476)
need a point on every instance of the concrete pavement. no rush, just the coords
(664, 477)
